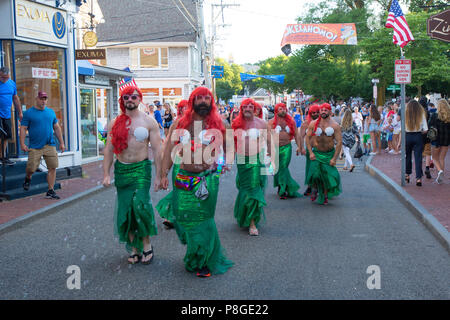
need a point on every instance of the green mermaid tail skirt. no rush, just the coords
(134, 211)
(283, 179)
(195, 226)
(323, 176)
(164, 206)
(250, 200)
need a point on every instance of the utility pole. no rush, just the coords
(213, 37)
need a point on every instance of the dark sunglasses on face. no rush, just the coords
(132, 97)
(43, 98)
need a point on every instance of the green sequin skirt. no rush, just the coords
(283, 179)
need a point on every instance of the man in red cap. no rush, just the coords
(251, 180)
(313, 114)
(40, 122)
(285, 126)
(128, 138)
(197, 138)
(323, 134)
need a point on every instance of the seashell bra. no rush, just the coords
(329, 131)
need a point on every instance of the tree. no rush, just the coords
(231, 83)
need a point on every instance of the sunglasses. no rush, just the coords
(43, 98)
(126, 97)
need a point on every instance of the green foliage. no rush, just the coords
(231, 83)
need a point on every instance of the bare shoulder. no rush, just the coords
(150, 121)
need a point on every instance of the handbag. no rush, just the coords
(432, 131)
(358, 153)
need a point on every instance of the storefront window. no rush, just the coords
(88, 123)
(41, 68)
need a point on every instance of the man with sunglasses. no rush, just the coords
(41, 122)
(8, 97)
(129, 136)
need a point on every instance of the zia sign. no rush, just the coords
(438, 26)
(40, 22)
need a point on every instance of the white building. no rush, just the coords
(162, 43)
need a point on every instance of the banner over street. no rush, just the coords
(326, 33)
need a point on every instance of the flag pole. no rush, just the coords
(403, 133)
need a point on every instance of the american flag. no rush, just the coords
(127, 82)
(396, 20)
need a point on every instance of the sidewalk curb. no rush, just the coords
(422, 214)
(29, 217)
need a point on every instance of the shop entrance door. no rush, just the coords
(88, 123)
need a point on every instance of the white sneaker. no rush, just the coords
(392, 151)
(440, 177)
(372, 153)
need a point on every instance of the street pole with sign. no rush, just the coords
(403, 76)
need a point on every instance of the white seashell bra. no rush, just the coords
(140, 133)
(329, 131)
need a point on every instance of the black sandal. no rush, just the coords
(168, 224)
(407, 178)
(147, 253)
(418, 183)
(133, 256)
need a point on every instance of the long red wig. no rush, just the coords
(239, 121)
(121, 128)
(258, 107)
(213, 120)
(313, 108)
(322, 106)
(181, 108)
(288, 118)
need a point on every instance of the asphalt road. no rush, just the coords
(304, 251)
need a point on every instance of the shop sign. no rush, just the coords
(40, 22)
(171, 92)
(438, 26)
(43, 56)
(99, 80)
(90, 39)
(90, 54)
(43, 73)
(150, 91)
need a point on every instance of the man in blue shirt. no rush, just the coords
(8, 96)
(40, 122)
(158, 118)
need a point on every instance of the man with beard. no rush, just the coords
(196, 185)
(285, 126)
(164, 206)
(128, 138)
(321, 138)
(248, 132)
(313, 114)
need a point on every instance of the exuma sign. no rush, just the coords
(40, 22)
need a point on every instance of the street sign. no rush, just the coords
(438, 26)
(402, 71)
(217, 71)
(393, 87)
(375, 93)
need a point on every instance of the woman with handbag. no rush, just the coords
(415, 127)
(439, 134)
(349, 133)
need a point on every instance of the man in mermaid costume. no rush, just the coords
(128, 138)
(323, 177)
(164, 206)
(197, 139)
(285, 126)
(251, 179)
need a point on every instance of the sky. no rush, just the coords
(256, 29)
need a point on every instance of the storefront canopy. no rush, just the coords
(85, 68)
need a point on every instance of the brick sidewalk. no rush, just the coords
(434, 197)
(92, 177)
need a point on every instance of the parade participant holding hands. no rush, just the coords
(194, 196)
(323, 134)
(128, 138)
(313, 114)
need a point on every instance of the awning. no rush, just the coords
(85, 68)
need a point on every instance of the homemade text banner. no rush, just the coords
(326, 33)
(276, 78)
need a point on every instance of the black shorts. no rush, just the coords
(5, 124)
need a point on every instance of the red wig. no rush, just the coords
(313, 108)
(120, 128)
(288, 118)
(181, 108)
(213, 120)
(258, 107)
(239, 121)
(322, 106)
